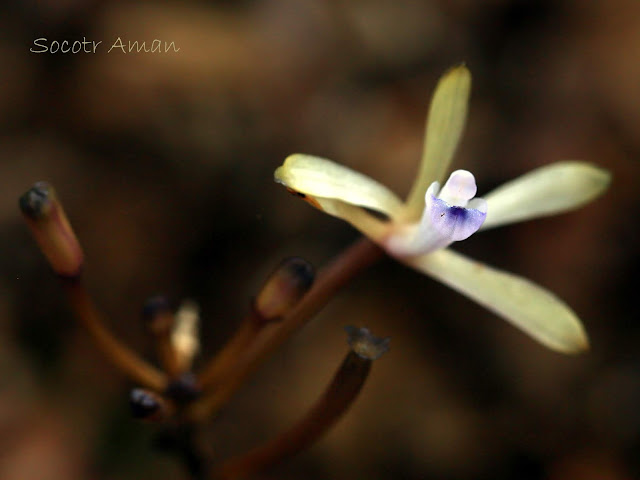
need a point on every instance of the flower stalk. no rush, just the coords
(125, 359)
(337, 398)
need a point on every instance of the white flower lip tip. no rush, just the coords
(365, 344)
(459, 188)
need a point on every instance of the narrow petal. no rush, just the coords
(322, 178)
(445, 123)
(529, 307)
(373, 228)
(547, 190)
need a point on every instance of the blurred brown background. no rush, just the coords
(164, 163)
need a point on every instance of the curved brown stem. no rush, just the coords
(52, 231)
(340, 394)
(225, 359)
(119, 354)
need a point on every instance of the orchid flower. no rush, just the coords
(416, 232)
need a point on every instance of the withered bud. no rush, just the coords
(51, 229)
(184, 389)
(157, 315)
(365, 344)
(284, 288)
(148, 406)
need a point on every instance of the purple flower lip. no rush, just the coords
(455, 222)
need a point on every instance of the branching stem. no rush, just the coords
(334, 276)
(120, 355)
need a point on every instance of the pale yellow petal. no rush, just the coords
(445, 123)
(373, 228)
(321, 178)
(547, 190)
(526, 305)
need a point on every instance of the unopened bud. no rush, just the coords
(365, 344)
(51, 229)
(284, 288)
(146, 405)
(185, 338)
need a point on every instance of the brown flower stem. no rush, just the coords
(334, 276)
(340, 394)
(226, 358)
(167, 356)
(186, 443)
(281, 291)
(119, 354)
